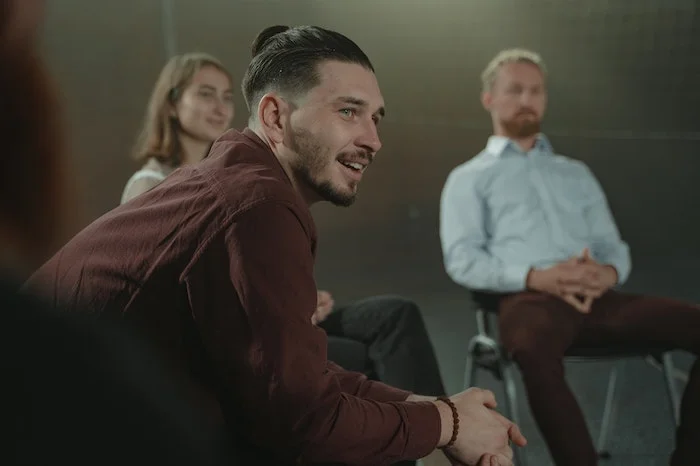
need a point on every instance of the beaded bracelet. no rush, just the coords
(455, 419)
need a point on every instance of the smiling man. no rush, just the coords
(214, 266)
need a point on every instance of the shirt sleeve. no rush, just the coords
(359, 385)
(606, 245)
(464, 242)
(295, 404)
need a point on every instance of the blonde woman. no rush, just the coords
(191, 105)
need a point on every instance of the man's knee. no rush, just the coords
(527, 343)
(397, 313)
(403, 311)
(528, 332)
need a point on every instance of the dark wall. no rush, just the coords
(624, 97)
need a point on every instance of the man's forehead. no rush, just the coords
(340, 80)
(519, 70)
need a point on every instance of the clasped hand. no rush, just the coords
(578, 281)
(324, 306)
(484, 437)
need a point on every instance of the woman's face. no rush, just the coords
(205, 109)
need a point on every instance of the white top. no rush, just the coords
(141, 174)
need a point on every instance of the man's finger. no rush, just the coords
(573, 289)
(502, 419)
(576, 276)
(575, 303)
(514, 433)
(516, 436)
(504, 461)
(586, 254)
(504, 452)
(588, 303)
(487, 398)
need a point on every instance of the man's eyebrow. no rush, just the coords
(359, 103)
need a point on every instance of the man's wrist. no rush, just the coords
(530, 279)
(612, 270)
(446, 423)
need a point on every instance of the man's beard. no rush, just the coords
(310, 164)
(518, 128)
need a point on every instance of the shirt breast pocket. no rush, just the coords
(573, 204)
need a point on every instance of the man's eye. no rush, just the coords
(348, 112)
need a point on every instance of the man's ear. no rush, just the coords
(486, 99)
(273, 116)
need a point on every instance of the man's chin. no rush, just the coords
(521, 130)
(341, 199)
(337, 196)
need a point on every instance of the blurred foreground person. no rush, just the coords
(77, 392)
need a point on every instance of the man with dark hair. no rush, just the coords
(215, 267)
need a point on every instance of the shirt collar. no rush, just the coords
(499, 145)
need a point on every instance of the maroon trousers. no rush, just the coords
(537, 329)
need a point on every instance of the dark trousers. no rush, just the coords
(385, 337)
(537, 329)
(388, 339)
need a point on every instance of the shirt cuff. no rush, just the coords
(514, 278)
(424, 426)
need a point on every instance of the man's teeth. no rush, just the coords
(355, 165)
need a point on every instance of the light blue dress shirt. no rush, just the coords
(506, 211)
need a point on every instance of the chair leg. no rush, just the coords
(512, 407)
(610, 410)
(470, 367)
(469, 372)
(673, 398)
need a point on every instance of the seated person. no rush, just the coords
(535, 229)
(392, 343)
(77, 391)
(214, 267)
(191, 105)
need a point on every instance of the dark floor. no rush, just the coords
(643, 433)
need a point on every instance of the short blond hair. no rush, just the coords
(518, 55)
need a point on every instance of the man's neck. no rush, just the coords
(526, 144)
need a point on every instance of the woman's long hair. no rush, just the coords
(159, 136)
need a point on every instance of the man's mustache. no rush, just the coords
(526, 111)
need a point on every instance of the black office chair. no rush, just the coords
(486, 352)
